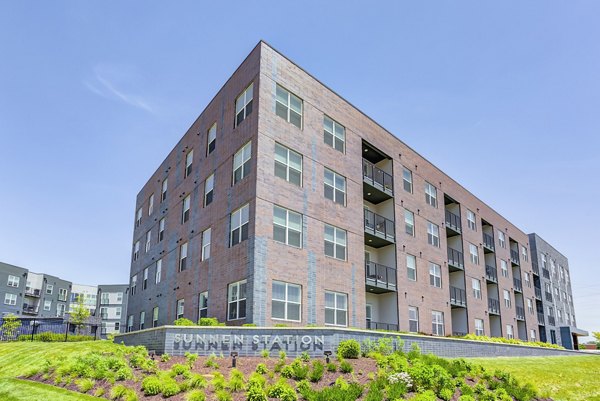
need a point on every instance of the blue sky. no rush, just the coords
(94, 95)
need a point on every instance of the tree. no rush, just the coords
(79, 314)
(596, 335)
(10, 325)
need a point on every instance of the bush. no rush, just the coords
(169, 387)
(50, 337)
(191, 359)
(236, 380)
(317, 371)
(85, 385)
(151, 385)
(299, 370)
(282, 391)
(223, 395)
(346, 367)
(211, 362)
(99, 392)
(331, 367)
(209, 321)
(466, 398)
(196, 381)
(165, 357)
(349, 349)
(183, 322)
(117, 392)
(256, 393)
(218, 381)
(178, 369)
(426, 396)
(282, 354)
(446, 394)
(305, 356)
(261, 368)
(265, 353)
(287, 372)
(195, 395)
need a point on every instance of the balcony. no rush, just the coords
(514, 257)
(491, 275)
(517, 284)
(548, 296)
(493, 306)
(30, 309)
(379, 278)
(456, 260)
(546, 273)
(379, 184)
(538, 293)
(453, 225)
(520, 312)
(379, 231)
(541, 320)
(535, 268)
(488, 243)
(381, 326)
(551, 321)
(33, 292)
(458, 297)
(458, 334)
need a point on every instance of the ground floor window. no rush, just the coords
(336, 308)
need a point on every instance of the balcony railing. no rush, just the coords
(520, 312)
(453, 221)
(538, 293)
(514, 257)
(458, 296)
(494, 306)
(541, 320)
(551, 321)
(488, 242)
(30, 309)
(535, 268)
(548, 296)
(546, 273)
(491, 274)
(378, 178)
(371, 325)
(459, 333)
(456, 259)
(380, 276)
(32, 292)
(518, 284)
(379, 226)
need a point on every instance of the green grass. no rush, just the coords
(563, 378)
(21, 390)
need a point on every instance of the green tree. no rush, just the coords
(10, 325)
(79, 314)
(596, 335)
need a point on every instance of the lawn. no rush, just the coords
(564, 378)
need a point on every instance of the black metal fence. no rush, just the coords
(47, 329)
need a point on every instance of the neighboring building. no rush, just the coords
(112, 308)
(553, 295)
(89, 294)
(13, 280)
(46, 295)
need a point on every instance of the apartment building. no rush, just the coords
(12, 288)
(112, 308)
(284, 203)
(553, 295)
(46, 296)
(87, 293)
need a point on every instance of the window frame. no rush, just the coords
(435, 275)
(202, 304)
(474, 257)
(189, 162)
(286, 227)
(431, 194)
(333, 134)
(183, 254)
(240, 225)
(242, 163)
(287, 164)
(161, 229)
(286, 301)
(158, 271)
(13, 281)
(186, 207)
(471, 220)
(10, 299)
(479, 328)
(164, 189)
(336, 233)
(242, 284)
(411, 268)
(476, 286)
(209, 189)
(406, 181)
(280, 107)
(206, 243)
(211, 145)
(436, 324)
(409, 225)
(333, 187)
(246, 103)
(433, 238)
(415, 313)
(180, 308)
(336, 308)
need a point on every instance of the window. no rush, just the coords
(236, 300)
(335, 242)
(49, 289)
(476, 284)
(62, 294)
(10, 299)
(411, 267)
(136, 251)
(559, 315)
(161, 229)
(336, 308)
(543, 258)
(211, 140)
(203, 304)
(288, 106)
(532, 335)
(507, 298)
(471, 220)
(138, 217)
(154, 317)
(183, 253)
(407, 179)
(413, 319)
(243, 105)
(501, 239)
(133, 285)
(433, 234)
(104, 298)
(148, 239)
(479, 327)
(287, 226)
(527, 280)
(241, 163)
(142, 319)
(286, 301)
(118, 311)
(130, 323)
(145, 280)
(435, 275)
(151, 204)
(13, 281)
(239, 225)
(158, 274)
(530, 306)
(437, 323)
(60, 310)
(409, 222)
(163, 193)
(334, 134)
(47, 305)
(509, 331)
(206, 234)
(189, 159)
(430, 194)
(209, 186)
(504, 268)
(335, 187)
(474, 253)
(185, 209)
(180, 308)
(524, 253)
(288, 164)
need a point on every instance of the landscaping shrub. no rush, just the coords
(265, 353)
(349, 349)
(346, 367)
(282, 391)
(224, 395)
(191, 359)
(117, 392)
(305, 356)
(211, 362)
(218, 381)
(196, 381)
(299, 370)
(209, 321)
(195, 395)
(165, 357)
(425, 396)
(99, 392)
(178, 369)
(236, 380)
(466, 398)
(183, 322)
(169, 387)
(261, 368)
(151, 385)
(50, 337)
(316, 374)
(287, 372)
(331, 367)
(85, 385)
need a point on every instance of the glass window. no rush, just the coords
(501, 239)
(479, 327)
(335, 242)
(158, 274)
(409, 222)
(145, 280)
(161, 229)
(407, 179)
(529, 306)
(239, 225)
(532, 335)
(433, 234)
(49, 289)
(138, 217)
(13, 281)
(154, 317)
(148, 240)
(10, 299)
(185, 209)
(288, 106)
(189, 159)
(211, 139)
(524, 253)
(164, 187)
(476, 288)
(286, 303)
(435, 275)
(507, 301)
(413, 319)
(183, 253)
(180, 308)
(243, 105)
(151, 204)
(471, 222)
(130, 323)
(474, 253)
(411, 267)
(334, 134)
(62, 294)
(336, 308)
(287, 226)
(203, 304)
(209, 187)
(241, 162)
(288, 164)
(236, 300)
(142, 319)
(136, 251)
(430, 194)
(206, 234)
(335, 187)
(503, 268)
(133, 284)
(437, 323)
(47, 305)
(509, 331)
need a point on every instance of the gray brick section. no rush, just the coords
(260, 281)
(312, 288)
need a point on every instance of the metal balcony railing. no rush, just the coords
(541, 318)
(535, 268)
(488, 241)
(371, 325)
(379, 275)
(458, 296)
(491, 274)
(520, 312)
(379, 225)
(453, 221)
(32, 292)
(456, 258)
(494, 306)
(518, 284)
(514, 257)
(377, 177)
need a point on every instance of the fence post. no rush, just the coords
(32, 329)
(66, 331)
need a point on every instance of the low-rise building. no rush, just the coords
(112, 308)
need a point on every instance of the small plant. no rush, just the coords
(282, 391)
(287, 372)
(85, 385)
(211, 362)
(151, 385)
(169, 387)
(255, 392)
(281, 325)
(265, 353)
(165, 357)
(282, 355)
(261, 368)
(196, 381)
(209, 321)
(346, 367)
(183, 322)
(446, 394)
(191, 359)
(117, 392)
(195, 395)
(331, 367)
(99, 392)
(299, 370)
(349, 349)
(305, 356)
(218, 381)
(425, 396)
(178, 369)
(236, 380)
(224, 395)
(466, 397)
(316, 374)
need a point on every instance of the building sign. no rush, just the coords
(243, 342)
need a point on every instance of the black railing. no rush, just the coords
(535, 268)
(458, 296)
(541, 318)
(538, 293)
(520, 312)
(546, 273)
(371, 325)
(514, 257)
(548, 296)
(377, 177)
(459, 333)
(491, 274)
(379, 225)
(494, 306)
(456, 258)
(453, 221)
(32, 292)
(518, 284)
(30, 309)
(551, 321)
(488, 241)
(380, 276)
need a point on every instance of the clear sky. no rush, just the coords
(504, 96)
